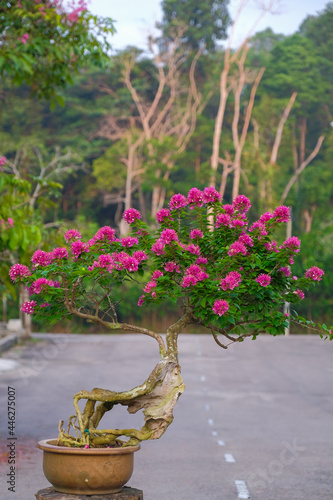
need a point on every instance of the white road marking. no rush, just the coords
(242, 490)
(229, 458)
(203, 378)
(210, 421)
(214, 433)
(207, 407)
(221, 443)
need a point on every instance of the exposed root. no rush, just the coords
(157, 397)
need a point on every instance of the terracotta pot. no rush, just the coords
(92, 471)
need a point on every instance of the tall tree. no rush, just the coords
(206, 21)
(163, 120)
(234, 77)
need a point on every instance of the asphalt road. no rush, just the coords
(255, 421)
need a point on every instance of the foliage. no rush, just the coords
(229, 278)
(206, 21)
(318, 29)
(20, 229)
(43, 44)
(294, 67)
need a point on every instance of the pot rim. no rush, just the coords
(47, 445)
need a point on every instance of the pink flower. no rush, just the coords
(195, 197)
(141, 300)
(10, 221)
(177, 201)
(263, 279)
(86, 446)
(210, 195)
(158, 247)
(168, 235)
(19, 271)
(131, 215)
(229, 209)
(171, 267)
(196, 271)
(193, 249)
(237, 247)
(129, 241)
(282, 214)
(196, 233)
(241, 203)
(220, 307)
(163, 214)
(237, 223)
(231, 281)
(265, 217)
(272, 247)
(78, 247)
(188, 281)
(130, 264)
(140, 255)
(300, 294)
(292, 243)
(285, 270)
(72, 234)
(193, 274)
(41, 258)
(60, 253)
(222, 220)
(124, 261)
(40, 284)
(314, 273)
(157, 274)
(150, 285)
(25, 38)
(257, 225)
(28, 307)
(3, 160)
(106, 233)
(245, 239)
(104, 261)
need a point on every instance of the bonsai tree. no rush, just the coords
(229, 277)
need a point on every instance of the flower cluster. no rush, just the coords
(40, 284)
(225, 272)
(19, 271)
(29, 307)
(193, 274)
(315, 273)
(232, 280)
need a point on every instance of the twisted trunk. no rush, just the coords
(157, 397)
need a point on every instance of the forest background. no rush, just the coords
(134, 128)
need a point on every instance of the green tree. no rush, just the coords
(206, 21)
(318, 29)
(43, 44)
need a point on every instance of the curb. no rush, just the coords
(8, 342)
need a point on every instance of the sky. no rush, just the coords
(136, 18)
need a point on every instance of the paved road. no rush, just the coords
(255, 419)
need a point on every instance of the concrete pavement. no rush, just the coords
(255, 420)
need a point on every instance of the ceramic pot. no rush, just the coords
(91, 471)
